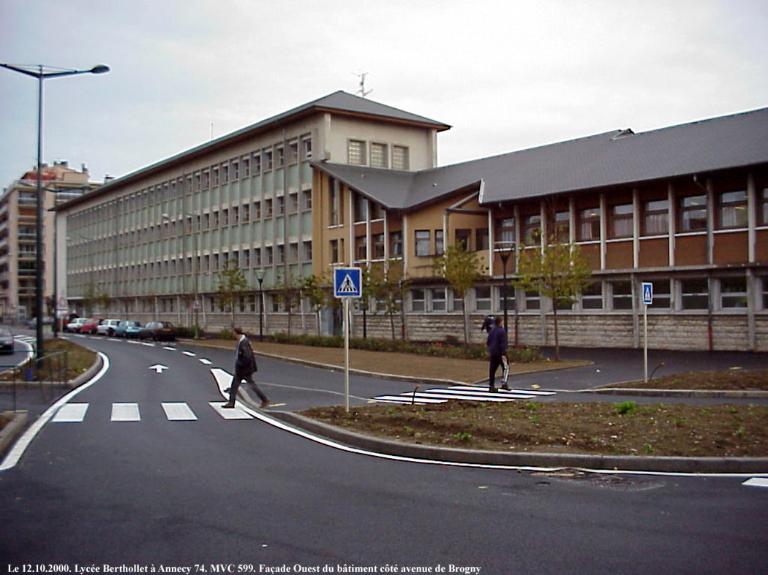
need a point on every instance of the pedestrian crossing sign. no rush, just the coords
(347, 282)
(647, 293)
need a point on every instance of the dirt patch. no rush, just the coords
(731, 379)
(593, 428)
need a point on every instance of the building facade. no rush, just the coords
(18, 233)
(347, 181)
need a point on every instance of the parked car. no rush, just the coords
(158, 330)
(128, 328)
(89, 326)
(107, 327)
(6, 341)
(75, 325)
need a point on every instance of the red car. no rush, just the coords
(90, 326)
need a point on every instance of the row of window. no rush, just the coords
(690, 294)
(381, 155)
(731, 212)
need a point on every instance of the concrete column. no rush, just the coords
(672, 217)
(751, 216)
(636, 215)
(603, 230)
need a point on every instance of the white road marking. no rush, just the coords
(179, 412)
(237, 412)
(408, 400)
(502, 391)
(757, 482)
(71, 413)
(169, 348)
(125, 412)
(205, 361)
(188, 353)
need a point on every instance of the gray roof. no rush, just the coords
(614, 158)
(339, 102)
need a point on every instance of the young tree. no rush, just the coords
(232, 283)
(288, 293)
(315, 289)
(559, 272)
(387, 284)
(461, 269)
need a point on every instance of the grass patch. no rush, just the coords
(734, 379)
(593, 428)
(55, 365)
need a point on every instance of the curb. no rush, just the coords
(11, 431)
(693, 393)
(757, 465)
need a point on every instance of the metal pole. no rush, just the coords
(55, 274)
(39, 236)
(504, 258)
(346, 353)
(645, 342)
(261, 310)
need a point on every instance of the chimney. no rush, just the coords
(84, 168)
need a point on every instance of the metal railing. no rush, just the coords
(47, 374)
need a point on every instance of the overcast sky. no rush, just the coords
(506, 75)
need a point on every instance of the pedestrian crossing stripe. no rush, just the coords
(127, 412)
(461, 392)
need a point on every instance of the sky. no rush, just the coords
(506, 75)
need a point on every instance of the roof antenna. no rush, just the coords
(362, 91)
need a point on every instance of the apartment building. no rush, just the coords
(685, 207)
(152, 244)
(18, 233)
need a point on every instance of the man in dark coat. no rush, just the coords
(497, 349)
(245, 366)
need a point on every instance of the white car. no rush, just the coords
(107, 327)
(74, 326)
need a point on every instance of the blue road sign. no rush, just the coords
(347, 282)
(647, 293)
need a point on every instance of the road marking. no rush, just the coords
(158, 368)
(125, 412)
(461, 392)
(147, 344)
(237, 412)
(188, 353)
(179, 412)
(205, 361)
(71, 413)
(757, 482)
(502, 391)
(169, 348)
(405, 400)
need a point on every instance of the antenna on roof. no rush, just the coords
(362, 91)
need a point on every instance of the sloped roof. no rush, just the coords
(608, 159)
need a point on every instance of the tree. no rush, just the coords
(461, 269)
(315, 289)
(387, 284)
(559, 272)
(288, 293)
(232, 283)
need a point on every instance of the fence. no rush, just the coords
(46, 376)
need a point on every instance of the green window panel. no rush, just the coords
(306, 174)
(279, 180)
(292, 182)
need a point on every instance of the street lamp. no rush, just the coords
(42, 72)
(506, 249)
(260, 279)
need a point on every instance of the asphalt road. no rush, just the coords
(243, 493)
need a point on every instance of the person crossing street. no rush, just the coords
(245, 367)
(497, 351)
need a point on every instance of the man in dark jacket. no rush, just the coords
(245, 366)
(497, 349)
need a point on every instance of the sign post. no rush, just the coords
(347, 284)
(647, 300)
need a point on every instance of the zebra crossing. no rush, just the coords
(132, 412)
(461, 393)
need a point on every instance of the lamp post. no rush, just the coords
(42, 72)
(260, 278)
(505, 251)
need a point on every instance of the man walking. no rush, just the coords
(245, 366)
(497, 349)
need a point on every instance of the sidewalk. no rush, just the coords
(400, 365)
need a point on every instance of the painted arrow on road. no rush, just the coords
(158, 368)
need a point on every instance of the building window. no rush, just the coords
(655, 220)
(215, 176)
(293, 152)
(621, 293)
(280, 206)
(360, 207)
(257, 164)
(306, 199)
(335, 252)
(280, 153)
(562, 227)
(356, 153)
(733, 293)
(400, 159)
(396, 244)
(235, 170)
(532, 300)
(732, 209)
(511, 293)
(246, 167)
(379, 155)
(483, 298)
(457, 302)
(418, 300)
(763, 212)
(268, 208)
(308, 251)
(463, 239)
(621, 223)
(694, 294)
(439, 243)
(267, 160)
(481, 239)
(246, 213)
(224, 173)
(693, 213)
(661, 295)
(764, 281)
(257, 210)
(505, 231)
(335, 203)
(378, 246)
(306, 148)
(439, 302)
(269, 255)
(588, 224)
(361, 248)
(531, 229)
(423, 241)
(592, 296)
(375, 211)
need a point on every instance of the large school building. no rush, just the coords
(347, 181)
